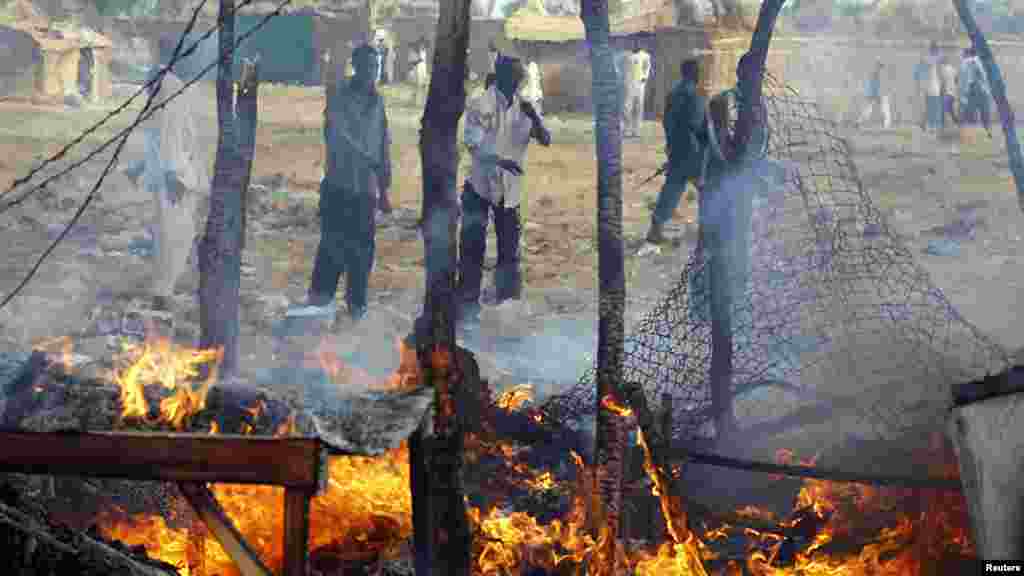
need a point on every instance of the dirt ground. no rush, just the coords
(916, 179)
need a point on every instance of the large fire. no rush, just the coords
(366, 511)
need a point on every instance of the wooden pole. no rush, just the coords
(296, 531)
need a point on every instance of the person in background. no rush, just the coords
(875, 98)
(975, 94)
(175, 172)
(686, 136)
(929, 84)
(498, 129)
(949, 91)
(358, 145)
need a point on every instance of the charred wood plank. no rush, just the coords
(288, 462)
(206, 507)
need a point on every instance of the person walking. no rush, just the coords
(498, 129)
(686, 136)
(949, 91)
(975, 95)
(875, 98)
(176, 173)
(358, 146)
(929, 83)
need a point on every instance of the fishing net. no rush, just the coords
(836, 313)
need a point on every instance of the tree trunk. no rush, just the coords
(248, 116)
(722, 342)
(221, 247)
(610, 432)
(443, 540)
(995, 79)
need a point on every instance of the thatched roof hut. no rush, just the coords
(60, 58)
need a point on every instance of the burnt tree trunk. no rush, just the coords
(995, 79)
(247, 110)
(220, 254)
(442, 535)
(750, 76)
(610, 434)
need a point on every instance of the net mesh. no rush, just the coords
(836, 309)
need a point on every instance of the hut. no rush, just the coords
(62, 60)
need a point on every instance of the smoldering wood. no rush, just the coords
(364, 423)
(83, 547)
(17, 392)
(205, 506)
(989, 445)
(368, 424)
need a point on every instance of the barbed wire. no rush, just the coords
(148, 110)
(120, 109)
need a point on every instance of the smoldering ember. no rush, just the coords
(748, 308)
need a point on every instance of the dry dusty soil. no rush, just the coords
(103, 265)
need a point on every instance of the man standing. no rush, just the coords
(358, 169)
(686, 137)
(949, 91)
(637, 72)
(974, 91)
(498, 129)
(929, 84)
(175, 172)
(875, 98)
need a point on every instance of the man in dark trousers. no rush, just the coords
(498, 129)
(358, 171)
(686, 137)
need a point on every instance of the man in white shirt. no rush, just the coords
(175, 172)
(929, 83)
(637, 71)
(498, 128)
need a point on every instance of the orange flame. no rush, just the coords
(613, 406)
(514, 398)
(171, 366)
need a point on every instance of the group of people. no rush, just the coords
(498, 128)
(961, 92)
(499, 125)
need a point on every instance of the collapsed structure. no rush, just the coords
(839, 332)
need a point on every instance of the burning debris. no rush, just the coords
(529, 482)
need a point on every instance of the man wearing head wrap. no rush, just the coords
(358, 170)
(498, 129)
(175, 172)
(686, 135)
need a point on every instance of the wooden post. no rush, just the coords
(296, 531)
(989, 445)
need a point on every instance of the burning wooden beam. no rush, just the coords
(206, 507)
(985, 432)
(289, 462)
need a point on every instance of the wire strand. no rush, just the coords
(148, 110)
